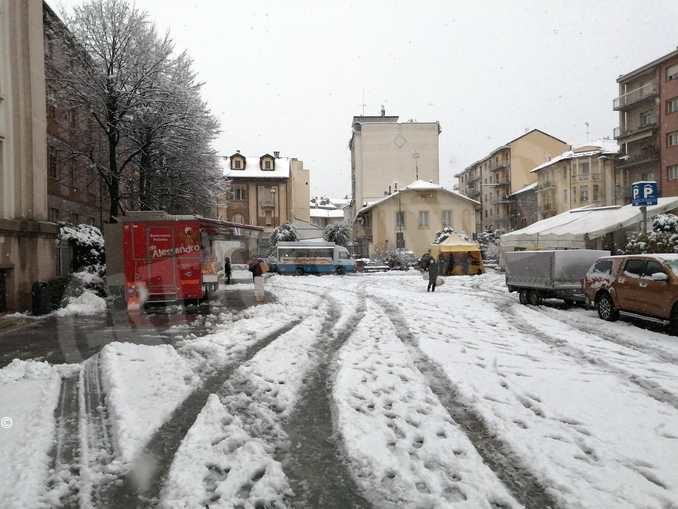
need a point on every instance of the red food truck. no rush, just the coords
(157, 257)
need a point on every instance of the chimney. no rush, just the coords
(276, 154)
(383, 111)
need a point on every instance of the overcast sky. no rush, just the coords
(289, 76)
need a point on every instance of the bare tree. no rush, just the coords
(114, 62)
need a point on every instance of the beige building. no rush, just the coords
(27, 240)
(580, 177)
(387, 154)
(410, 217)
(493, 179)
(265, 190)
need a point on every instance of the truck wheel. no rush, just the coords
(299, 271)
(341, 271)
(606, 309)
(522, 296)
(533, 298)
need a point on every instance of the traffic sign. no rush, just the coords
(644, 193)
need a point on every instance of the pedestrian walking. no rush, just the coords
(257, 268)
(227, 270)
(432, 275)
(425, 260)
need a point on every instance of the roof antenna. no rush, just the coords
(363, 103)
(588, 132)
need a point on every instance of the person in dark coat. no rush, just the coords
(425, 261)
(432, 275)
(227, 270)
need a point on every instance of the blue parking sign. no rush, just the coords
(644, 193)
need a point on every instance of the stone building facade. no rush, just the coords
(75, 190)
(265, 190)
(387, 154)
(409, 219)
(524, 207)
(27, 239)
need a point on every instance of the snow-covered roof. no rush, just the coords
(417, 185)
(326, 212)
(600, 147)
(572, 228)
(526, 188)
(253, 170)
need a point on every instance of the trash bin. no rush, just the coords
(40, 298)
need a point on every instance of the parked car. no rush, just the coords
(639, 286)
(558, 274)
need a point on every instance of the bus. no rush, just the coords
(312, 257)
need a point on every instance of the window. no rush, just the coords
(238, 193)
(634, 268)
(653, 267)
(237, 163)
(596, 192)
(565, 195)
(602, 267)
(54, 215)
(672, 139)
(238, 218)
(647, 118)
(672, 105)
(423, 219)
(672, 172)
(268, 218)
(75, 218)
(400, 218)
(584, 168)
(91, 221)
(267, 164)
(584, 194)
(52, 163)
(400, 240)
(447, 218)
(672, 73)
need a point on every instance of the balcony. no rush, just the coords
(636, 158)
(546, 186)
(498, 184)
(473, 178)
(504, 200)
(635, 96)
(647, 124)
(501, 165)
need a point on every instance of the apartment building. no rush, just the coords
(580, 177)
(264, 190)
(387, 154)
(648, 125)
(504, 171)
(27, 239)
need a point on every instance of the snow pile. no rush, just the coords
(87, 303)
(404, 448)
(218, 463)
(144, 385)
(83, 234)
(29, 395)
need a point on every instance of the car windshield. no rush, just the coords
(338, 254)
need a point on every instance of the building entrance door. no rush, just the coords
(3, 291)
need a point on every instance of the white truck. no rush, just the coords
(558, 274)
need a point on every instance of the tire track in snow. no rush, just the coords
(96, 442)
(498, 455)
(315, 463)
(145, 479)
(63, 485)
(652, 389)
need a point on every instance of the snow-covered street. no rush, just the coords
(355, 391)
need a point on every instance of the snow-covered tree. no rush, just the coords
(284, 233)
(339, 233)
(663, 238)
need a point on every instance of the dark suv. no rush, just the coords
(640, 286)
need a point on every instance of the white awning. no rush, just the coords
(571, 229)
